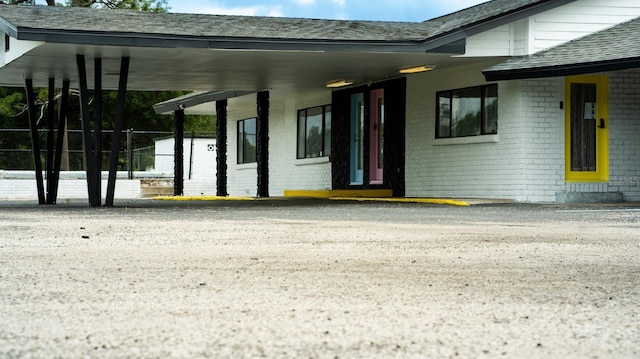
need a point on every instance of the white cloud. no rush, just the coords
(275, 11)
(305, 2)
(340, 3)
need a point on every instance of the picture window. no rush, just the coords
(465, 112)
(314, 132)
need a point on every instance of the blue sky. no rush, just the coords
(385, 10)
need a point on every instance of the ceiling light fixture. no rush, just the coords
(339, 83)
(417, 69)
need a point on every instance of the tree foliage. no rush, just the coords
(139, 112)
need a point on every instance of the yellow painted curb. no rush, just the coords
(202, 198)
(406, 200)
(329, 193)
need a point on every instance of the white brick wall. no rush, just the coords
(285, 171)
(526, 163)
(26, 189)
(624, 134)
(510, 165)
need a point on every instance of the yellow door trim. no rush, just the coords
(601, 174)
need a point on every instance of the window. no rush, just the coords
(467, 112)
(314, 132)
(247, 141)
(6, 42)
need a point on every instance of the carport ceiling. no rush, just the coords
(154, 69)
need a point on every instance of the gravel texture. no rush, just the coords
(316, 279)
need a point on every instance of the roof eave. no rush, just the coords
(562, 70)
(225, 43)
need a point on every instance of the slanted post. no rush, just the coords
(35, 139)
(117, 131)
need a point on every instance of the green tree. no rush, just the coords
(139, 112)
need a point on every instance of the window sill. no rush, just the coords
(311, 161)
(247, 166)
(465, 140)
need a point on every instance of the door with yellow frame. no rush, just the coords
(587, 129)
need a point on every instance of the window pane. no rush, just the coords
(466, 112)
(327, 131)
(491, 109)
(314, 132)
(583, 127)
(250, 140)
(240, 141)
(444, 115)
(302, 116)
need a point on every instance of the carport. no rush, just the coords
(227, 55)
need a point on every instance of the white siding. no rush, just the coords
(578, 19)
(17, 48)
(495, 42)
(285, 171)
(551, 28)
(2, 35)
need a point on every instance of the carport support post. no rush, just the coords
(117, 131)
(221, 148)
(178, 153)
(62, 129)
(262, 143)
(97, 111)
(51, 117)
(35, 139)
(87, 139)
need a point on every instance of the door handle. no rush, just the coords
(601, 123)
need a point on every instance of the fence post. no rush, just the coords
(130, 153)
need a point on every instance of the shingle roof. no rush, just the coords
(114, 21)
(615, 48)
(82, 20)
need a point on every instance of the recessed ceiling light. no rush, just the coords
(339, 83)
(417, 69)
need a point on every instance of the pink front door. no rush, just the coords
(376, 133)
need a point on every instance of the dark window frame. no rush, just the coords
(241, 156)
(483, 113)
(7, 42)
(325, 151)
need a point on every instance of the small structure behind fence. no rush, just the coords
(145, 155)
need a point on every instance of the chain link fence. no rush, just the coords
(137, 153)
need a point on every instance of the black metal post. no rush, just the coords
(62, 128)
(97, 113)
(35, 139)
(51, 117)
(117, 130)
(221, 148)
(178, 153)
(262, 143)
(87, 143)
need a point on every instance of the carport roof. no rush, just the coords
(238, 53)
(616, 48)
(103, 26)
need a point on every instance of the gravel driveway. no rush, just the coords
(317, 279)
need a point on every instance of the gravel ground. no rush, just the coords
(316, 279)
